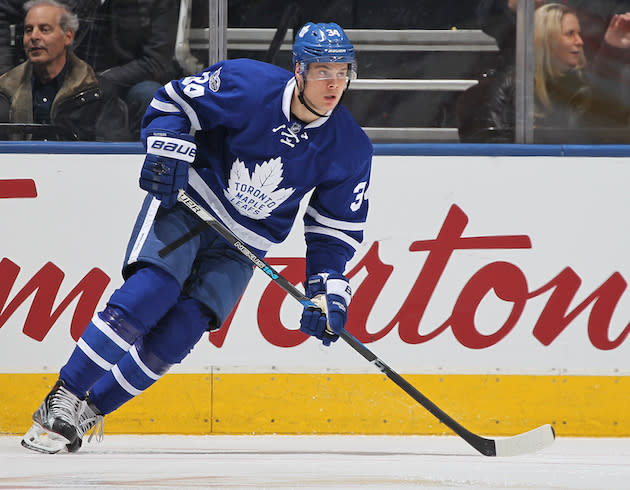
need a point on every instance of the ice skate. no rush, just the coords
(90, 418)
(55, 422)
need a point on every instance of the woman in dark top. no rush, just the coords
(571, 101)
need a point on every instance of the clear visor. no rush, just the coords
(329, 71)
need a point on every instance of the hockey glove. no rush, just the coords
(331, 293)
(165, 168)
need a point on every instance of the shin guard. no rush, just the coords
(152, 355)
(132, 310)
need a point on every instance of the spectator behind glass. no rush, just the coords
(132, 44)
(53, 86)
(568, 97)
(497, 18)
(12, 14)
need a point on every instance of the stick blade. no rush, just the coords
(527, 442)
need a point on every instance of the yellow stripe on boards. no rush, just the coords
(586, 406)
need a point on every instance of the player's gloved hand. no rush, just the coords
(331, 293)
(165, 168)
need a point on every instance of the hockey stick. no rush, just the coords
(526, 442)
(183, 239)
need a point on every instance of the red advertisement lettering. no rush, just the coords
(506, 280)
(45, 285)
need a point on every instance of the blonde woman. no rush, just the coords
(559, 84)
(572, 98)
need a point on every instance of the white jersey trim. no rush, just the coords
(287, 96)
(190, 112)
(243, 233)
(339, 235)
(286, 106)
(164, 106)
(144, 231)
(334, 223)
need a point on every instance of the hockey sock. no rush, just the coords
(104, 341)
(133, 374)
(132, 310)
(152, 355)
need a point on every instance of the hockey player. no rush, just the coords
(248, 140)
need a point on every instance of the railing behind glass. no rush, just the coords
(376, 40)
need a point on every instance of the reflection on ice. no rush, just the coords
(281, 462)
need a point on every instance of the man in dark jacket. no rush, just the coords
(131, 43)
(54, 86)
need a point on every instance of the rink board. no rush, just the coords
(492, 278)
(349, 404)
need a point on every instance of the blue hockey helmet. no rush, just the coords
(323, 43)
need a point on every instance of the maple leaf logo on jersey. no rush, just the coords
(256, 195)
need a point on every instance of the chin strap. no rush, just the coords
(303, 100)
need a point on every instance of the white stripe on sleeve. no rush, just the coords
(333, 233)
(190, 112)
(164, 106)
(334, 223)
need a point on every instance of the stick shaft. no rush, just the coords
(212, 222)
(485, 446)
(183, 239)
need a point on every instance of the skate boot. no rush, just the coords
(55, 422)
(90, 417)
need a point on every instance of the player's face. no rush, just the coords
(325, 83)
(44, 40)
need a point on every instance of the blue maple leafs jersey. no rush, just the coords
(255, 163)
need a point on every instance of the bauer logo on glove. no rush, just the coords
(165, 168)
(172, 147)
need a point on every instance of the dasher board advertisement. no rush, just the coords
(470, 265)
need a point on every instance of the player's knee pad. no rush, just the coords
(178, 332)
(118, 321)
(146, 296)
(109, 335)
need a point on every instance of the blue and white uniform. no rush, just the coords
(255, 162)
(252, 165)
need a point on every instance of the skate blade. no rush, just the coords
(44, 441)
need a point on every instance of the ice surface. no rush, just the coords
(283, 462)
